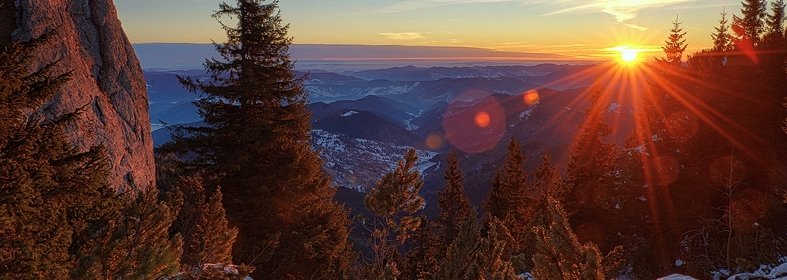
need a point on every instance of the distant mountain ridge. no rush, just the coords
(183, 56)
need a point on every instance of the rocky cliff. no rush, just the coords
(106, 79)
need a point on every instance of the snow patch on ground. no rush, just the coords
(526, 276)
(349, 113)
(358, 163)
(778, 272)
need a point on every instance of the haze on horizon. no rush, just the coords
(572, 28)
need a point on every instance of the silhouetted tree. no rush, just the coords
(675, 45)
(751, 26)
(452, 201)
(774, 27)
(591, 161)
(256, 147)
(722, 40)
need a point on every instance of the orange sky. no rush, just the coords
(575, 28)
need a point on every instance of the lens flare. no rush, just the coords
(474, 122)
(435, 141)
(482, 119)
(531, 97)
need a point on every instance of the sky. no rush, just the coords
(575, 28)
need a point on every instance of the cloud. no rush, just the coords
(623, 10)
(409, 5)
(402, 35)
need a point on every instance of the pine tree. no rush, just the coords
(494, 258)
(56, 207)
(133, 244)
(207, 237)
(774, 32)
(559, 254)
(751, 26)
(48, 189)
(422, 260)
(395, 200)
(256, 147)
(452, 201)
(590, 163)
(509, 187)
(675, 45)
(548, 181)
(462, 254)
(722, 40)
(512, 201)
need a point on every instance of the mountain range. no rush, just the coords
(363, 120)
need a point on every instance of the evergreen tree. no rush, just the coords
(591, 161)
(513, 202)
(58, 216)
(133, 244)
(207, 237)
(548, 181)
(774, 32)
(395, 200)
(48, 189)
(509, 187)
(256, 146)
(675, 45)
(422, 260)
(559, 254)
(452, 201)
(494, 259)
(462, 255)
(751, 26)
(722, 40)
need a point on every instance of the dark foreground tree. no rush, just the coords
(133, 243)
(207, 236)
(752, 24)
(453, 203)
(509, 200)
(255, 145)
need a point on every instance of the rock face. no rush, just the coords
(106, 80)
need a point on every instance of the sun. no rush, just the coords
(629, 56)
